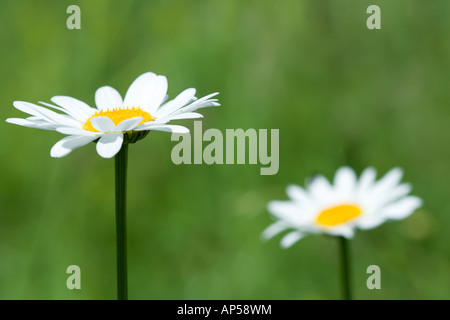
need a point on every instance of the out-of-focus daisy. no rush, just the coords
(114, 119)
(337, 209)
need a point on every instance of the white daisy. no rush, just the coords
(115, 119)
(340, 208)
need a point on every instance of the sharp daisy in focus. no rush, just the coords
(114, 124)
(114, 120)
(338, 209)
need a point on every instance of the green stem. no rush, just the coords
(121, 226)
(345, 269)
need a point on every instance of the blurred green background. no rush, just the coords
(339, 93)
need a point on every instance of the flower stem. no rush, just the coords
(121, 230)
(345, 269)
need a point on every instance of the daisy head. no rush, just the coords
(339, 208)
(114, 120)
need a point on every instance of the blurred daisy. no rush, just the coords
(337, 209)
(114, 119)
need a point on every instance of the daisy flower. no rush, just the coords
(114, 120)
(337, 209)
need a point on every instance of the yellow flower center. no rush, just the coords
(117, 115)
(338, 215)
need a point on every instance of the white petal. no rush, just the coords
(109, 144)
(288, 212)
(157, 122)
(76, 131)
(128, 124)
(298, 194)
(345, 181)
(147, 91)
(204, 104)
(74, 107)
(30, 108)
(166, 97)
(64, 146)
(103, 124)
(185, 96)
(291, 238)
(52, 106)
(138, 88)
(402, 208)
(44, 114)
(180, 101)
(389, 181)
(37, 124)
(392, 194)
(370, 222)
(344, 231)
(273, 229)
(156, 94)
(42, 124)
(321, 189)
(366, 181)
(201, 103)
(187, 115)
(108, 98)
(168, 128)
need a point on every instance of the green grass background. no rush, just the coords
(339, 93)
